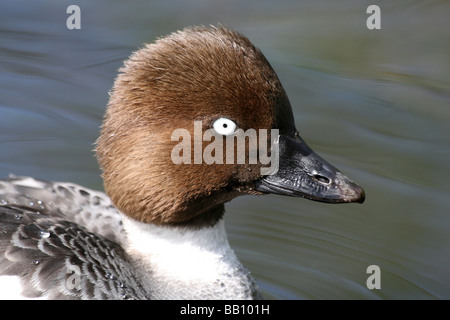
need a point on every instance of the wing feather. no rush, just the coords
(57, 257)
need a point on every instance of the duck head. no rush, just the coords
(199, 79)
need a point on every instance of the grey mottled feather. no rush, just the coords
(58, 247)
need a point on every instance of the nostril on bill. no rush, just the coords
(321, 179)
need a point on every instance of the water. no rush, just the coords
(373, 103)
(44, 234)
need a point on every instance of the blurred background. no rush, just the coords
(374, 103)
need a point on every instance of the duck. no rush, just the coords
(158, 232)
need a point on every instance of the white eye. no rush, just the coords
(224, 126)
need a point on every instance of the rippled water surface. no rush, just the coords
(375, 103)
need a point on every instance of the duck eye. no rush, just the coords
(224, 126)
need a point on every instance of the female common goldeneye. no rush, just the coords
(159, 232)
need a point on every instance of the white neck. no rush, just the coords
(186, 263)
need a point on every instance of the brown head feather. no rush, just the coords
(200, 73)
